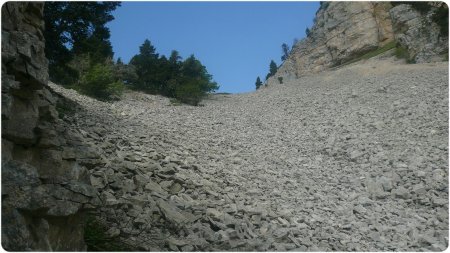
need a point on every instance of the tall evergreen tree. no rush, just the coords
(286, 51)
(258, 83)
(308, 32)
(148, 50)
(195, 82)
(187, 80)
(174, 57)
(174, 74)
(272, 69)
(75, 28)
(146, 65)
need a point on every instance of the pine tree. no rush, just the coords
(73, 29)
(273, 68)
(308, 32)
(148, 50)
(258, 83)
(174, 57)
(147, 68)
(195, 82)
(187, 81)
(286, 51)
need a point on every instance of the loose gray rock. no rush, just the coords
(304, 166)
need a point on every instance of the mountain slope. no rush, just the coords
(352, 159)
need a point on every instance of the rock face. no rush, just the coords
(44, 177)
(418, 33)
(343, 31)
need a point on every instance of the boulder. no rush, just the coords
(173, 213)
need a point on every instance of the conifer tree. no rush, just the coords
(286, 51)
(308, 32)
(73, 29)
(258, 83)
(146, 65)
(187, 81)
(273, 68)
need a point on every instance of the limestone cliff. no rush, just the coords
(419, 34)
(45, 189)
(343, 31)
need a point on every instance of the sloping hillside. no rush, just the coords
(352, 159)
(349, 159)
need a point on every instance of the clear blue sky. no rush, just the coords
(234, 40)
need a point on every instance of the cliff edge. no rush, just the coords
(343, 31)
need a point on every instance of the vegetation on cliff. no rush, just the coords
(272, 69)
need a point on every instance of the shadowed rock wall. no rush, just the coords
(45, 189)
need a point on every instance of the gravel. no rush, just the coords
(354, 159)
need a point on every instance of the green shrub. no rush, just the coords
(280, 79)
(402, 53)
(99, 83)
(189, 93)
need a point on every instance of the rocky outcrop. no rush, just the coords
(45, 190)
(343, 31)
(418, 34)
